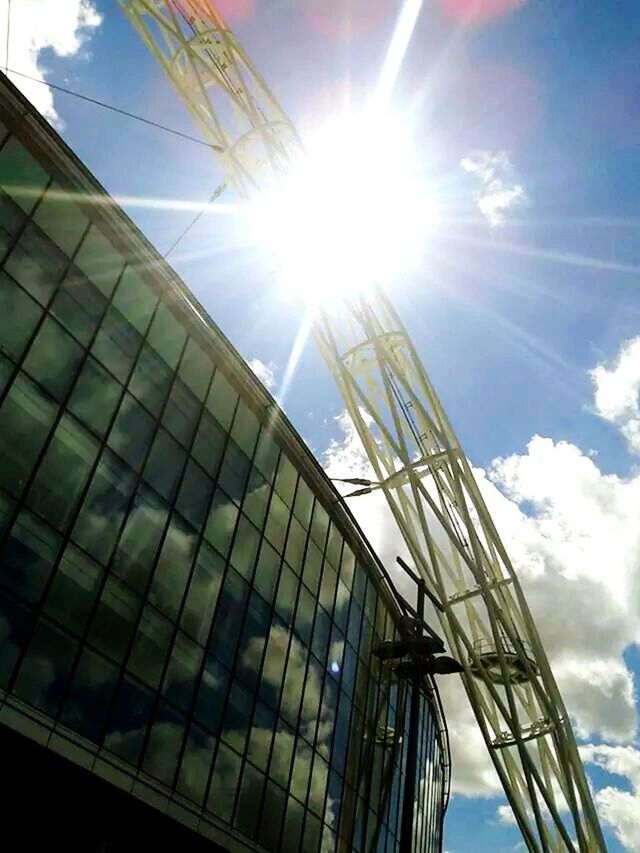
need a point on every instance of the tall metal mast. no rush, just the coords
(416, 457)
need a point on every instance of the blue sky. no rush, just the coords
(509, 318)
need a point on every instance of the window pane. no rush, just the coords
(209, 444)
(117, 344)
(63, 472)
(167, 336)
(6, 369)
(274, 664)
(328, 587)
(12, 218)
(128, 724)
(15, 628)
(286, 480)
(95, 396)
(246, 818)
(26, 417)
(234, 472)
(222, 400)
(261, 734)
(151, 380)
(181, 413)
(164, 464)
(272, 813)
(245, 548)
(174, 565)
(312, 567)
(165, 742)
(221, 523)
(92, 687)
(104, 507)
(28, 556)
(7, 505)
(21, 176)
(131, 432)
(19, 315)
(182, 672)
(256, 498)
(267, 572)
(195, 494)
(54, 358)
(287, 592)
(304, 615)
(196, 369)
(211, 695)
(267, 454)
(74, 589)
(79, 306)
(45, 668)
(61, 220)
(303, 503)
(237, 717)
(36, 264)
(99, 261)
(135, 300)
(319, 526)
(114, 620)
(296, 543)
(277, 522)
(140, 538)
(225, 636)
(224, 783)
(196, 763)
(150, 647)
(245, 429)
(334, 547)
(291, 836)
(203, 594)
(254, 637)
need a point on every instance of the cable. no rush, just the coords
(216, 193)
(118, 110)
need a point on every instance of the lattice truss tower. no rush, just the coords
(416, 458)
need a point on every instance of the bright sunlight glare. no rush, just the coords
(353, 213)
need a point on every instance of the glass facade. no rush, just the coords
(181, 602)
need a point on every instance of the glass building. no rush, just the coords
(187, 609)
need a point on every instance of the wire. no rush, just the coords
(216, 193)
(118, 110)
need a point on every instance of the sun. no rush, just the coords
(354, 212)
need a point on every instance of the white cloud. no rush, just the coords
(616, 391)
(264, 372)
(618, 808)
(62, 26)
(498, 193)
(572, 533)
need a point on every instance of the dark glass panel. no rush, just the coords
(164, 744)
(166, 336)
(318, 786)
(294, 681)
(45, 668)
(224, 783)
(275, 801)
(334, 547)
(6, 370)
(347, 566)
(221, 522)
(203, 592)
(359, 585)
(63, 472)
(247, 811)
(319, 525)
(222, 400)
(245, 547)
(261, 735)
(19, 315)
(95, 396)
(28, 556)
(321, 634)
(164, 465)
(274, 663)
(135, 300)
(312, 567)
(36, 264)
(296, 544)
(21, 176)
(312, 834)
(174, 566)
(237, 717)
(336, 652)
(74, 589)
(256, 499)
(115, 620)
(181, 413)
(254, 637)
(341, 734)
(196, 369)
(7, 506)
(211, 695)
(117, 344)
(209, 443)
(304, 615)
(245, 429)
(99, 261)
(301, 771)
(225, 636)
(349, 670)
(182, 672)
(292, 833)
(54, 358)
(131, 432)
(287, 593)
(355, 620)
(234, 471)
(92, 688)
(196, 764)
(341, 606)
(303, 503)
(328, 587)
(140, 538)
(151, 380)
(267, 455)
(15, 627)
(267, 571)
(277, 522)
(282, 754)
(61, 220)
(104, 507)
(12, 218)
(129, 719)
(286, 478)
(195, 494)
(150, 647)
(79, 306)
